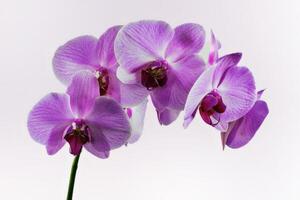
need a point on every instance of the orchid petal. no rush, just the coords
(188, 39)
(201, 87)
(223, 64)
(167, 116)
(83, 90)
(105, 48)
(137, 121)
(56, 140)
(127, 95)
(188, 69)
(108, 116)
(50, 112)
(238, 93)
(141, 42)
(98, 145)
(213, 54)
(243, 130)
(76, 55)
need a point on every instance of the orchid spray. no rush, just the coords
(109, 79)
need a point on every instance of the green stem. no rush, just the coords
(72, 177)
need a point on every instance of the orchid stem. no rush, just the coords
(72, 177)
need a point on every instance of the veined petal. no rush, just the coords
(83, 90)
(242, 130)
(223, 64)
(172, 95)
(188, 69)
(108, 116)
(98, 145)
(56, 140)
(201, 87)
(50, 112)
(213, 54)
(76, 55)
(105, 47)
(238, 93)
(127, 95)
(167, 116)
(137, 121)
(141, 42)
(188, 39)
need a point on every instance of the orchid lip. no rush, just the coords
(77, 135)
(154, 74)
(211, 106)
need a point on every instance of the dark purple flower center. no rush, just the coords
(77, 136)
(103, 81)
(154, 75)
(211, 107)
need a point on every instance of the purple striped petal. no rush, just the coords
(141, 42)
(136, 119)
(202, 86)
(56, 140)
(76, 55)
(98, 145)
(50, 112)
(188, 69)
(172, 95)
(213, 54)
(167, 116)
(83, 90)
(105, 48)
(108, 116)
(127, 95)
(188, 39)
(238, 92)
(223, 64)
(243, 130)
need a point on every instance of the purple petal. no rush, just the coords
(76, 55)
(98, 145)
(188, 39)
(109, 117)
(223, 64)
(202, 86)
(137, 121)
(213, 54)
(50, 112)
(172, 95)
(56, 140)
(238, 93)
(167, 116)
(181, 77)
(243, 130)
(142, 42)
(105, 47)
(127, 95)
(83, 90)
(188, 69)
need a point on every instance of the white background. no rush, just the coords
(167, 163)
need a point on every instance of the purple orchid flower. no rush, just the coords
(223, 93)
(241, 131)
(87, 53)
(81, 118)
(162, 60)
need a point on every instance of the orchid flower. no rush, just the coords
(87, 53)
(241, 131)
(80, 118)
(223, 93)
(162, 60)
